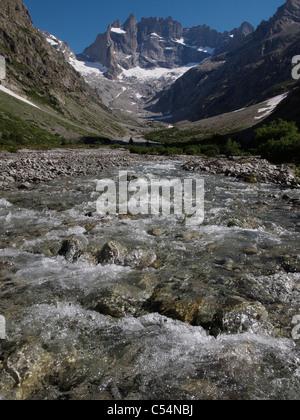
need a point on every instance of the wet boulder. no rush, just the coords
(116, 301)
(200, 307)
(112, 253)
(73, 248)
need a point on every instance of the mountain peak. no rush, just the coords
(131, 20)
(16, 10)
(246, 28)
(293, 4)
(116, 24)
(291, 8)
(158, 42)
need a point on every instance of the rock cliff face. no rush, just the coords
(155, 42)
(41, 73)
(29, 57)
(259, 69)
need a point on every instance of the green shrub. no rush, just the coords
(233, 148)
(192, 151)
(276, 130)
(279, 142)
(210, 150)
(287, 149)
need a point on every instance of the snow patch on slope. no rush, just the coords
(271, 104)
(11, 93)
(206, 49)
(86, 68)
(118, 31)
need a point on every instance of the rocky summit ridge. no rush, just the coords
(158, 42)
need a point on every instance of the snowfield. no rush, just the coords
(86, 68)
(157, 73)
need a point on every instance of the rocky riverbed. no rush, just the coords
(34, 166)
(146, 307)
(249, 169)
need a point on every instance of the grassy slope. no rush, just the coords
(22, 124)
(225, 124)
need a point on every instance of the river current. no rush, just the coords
(214, 317)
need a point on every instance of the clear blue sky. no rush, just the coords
(78, 22)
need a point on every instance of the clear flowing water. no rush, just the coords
(213, 319)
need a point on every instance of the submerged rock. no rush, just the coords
(245, 223)
(26, 365)
(241, 316)
(140, 258)
(114, 252)
(116, 301)
(291, 264)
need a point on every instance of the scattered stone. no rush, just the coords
(24, 186)
(157, 264)
(252, 251)
(190, 236)
(105, 220)
(228, 263)
(29, 167)
(157, 231)
(90, 226)
(212, 247)
(4, 264)
(127, 217)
